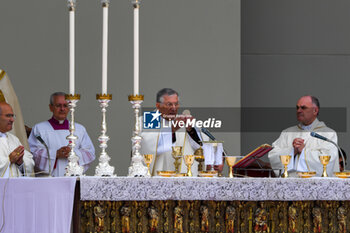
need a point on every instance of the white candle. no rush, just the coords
(136, 50)
(71, 53)
(104, 50)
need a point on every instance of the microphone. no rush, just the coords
(207, 132)
(316, 135)
(47, 149)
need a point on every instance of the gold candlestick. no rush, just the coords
(177, 155)
(285, 159)
(189, 159)
(324, 161)
(231, 160)
(148, 160)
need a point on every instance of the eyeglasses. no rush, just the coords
(303, 107)
(169, 105)
(60, 105)
(9, 115)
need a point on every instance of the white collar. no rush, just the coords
(3, 135)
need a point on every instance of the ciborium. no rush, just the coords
(189, 159)
(324, 161)
(199, 157)
(148, 160)
(285, 159)
(177, 155)
(231, 160)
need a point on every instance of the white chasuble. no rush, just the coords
(308, 159)
(159, 143)
(7, 145)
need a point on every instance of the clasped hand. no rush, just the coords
(16, 155)
(298, 145)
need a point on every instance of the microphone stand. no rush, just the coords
(313, 134)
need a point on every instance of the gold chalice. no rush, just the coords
(177, 154)
(199, 157)
(231, 160)
(189, 159)
(324, 160)
(148, 160)
(285, 159)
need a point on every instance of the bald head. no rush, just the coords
(6, 117)
(307, 109)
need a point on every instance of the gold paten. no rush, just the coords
(208, 173)
(104, 96)
(166, 173)
(342, 174)
(135, 97)
(180, 174)
(72, 97)
(306, 174)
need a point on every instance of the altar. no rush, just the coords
(191, 204)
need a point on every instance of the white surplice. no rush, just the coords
(55, 139)
(8, 143)
(308, 159)
(159, 143)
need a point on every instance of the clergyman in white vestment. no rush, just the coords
(160, 142)
(15, 161)
(304, 149)
(53, 133)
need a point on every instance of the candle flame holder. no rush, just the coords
(73, 168)
(103, 168)
(137, 167)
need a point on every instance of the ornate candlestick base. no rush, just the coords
(137, 167)
(103, 168)
(73, 168)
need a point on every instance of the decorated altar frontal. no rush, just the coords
(190, 204)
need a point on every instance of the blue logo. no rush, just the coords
(151, 120)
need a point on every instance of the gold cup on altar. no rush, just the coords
(285, 159)
(324, 161)
(189, 159)
(148, 160)
(199, 157)
(231, 160)
(177, 155)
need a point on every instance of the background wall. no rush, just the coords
(293, 48)
(191, 46)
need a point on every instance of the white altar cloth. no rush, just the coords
(37, 205)
(220, 189)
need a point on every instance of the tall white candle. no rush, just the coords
(104, 49)
(71, 53)
(136, 50)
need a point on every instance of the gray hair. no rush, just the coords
(163, 92)
(315, 101)
(59, 93)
